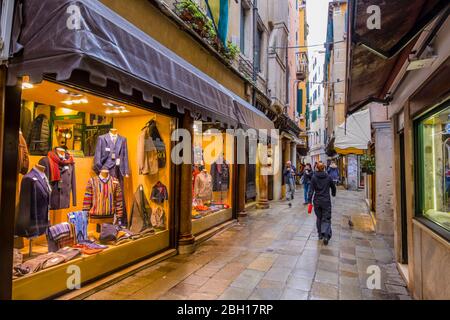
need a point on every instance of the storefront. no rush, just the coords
(408, 80)
(90, 193)
(97, 102)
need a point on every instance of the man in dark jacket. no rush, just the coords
(319, 192)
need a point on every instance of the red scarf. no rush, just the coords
(56, 162)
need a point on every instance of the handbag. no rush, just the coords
(310, 208)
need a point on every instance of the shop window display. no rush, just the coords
(434, 167)
(93, 175)
(211, 172)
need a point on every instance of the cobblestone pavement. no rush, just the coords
(275, 254)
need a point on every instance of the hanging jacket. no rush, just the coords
(220, 174)
(39, 136)
(108, 154)
(61, 190)
(159, 193)
(33, 219)
(147, 154)
(140, 212)
(25, 122)
(157, 142)
(24, 161)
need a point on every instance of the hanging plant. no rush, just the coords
(368, 164)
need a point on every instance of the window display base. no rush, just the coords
(210, 221)
(53, 281)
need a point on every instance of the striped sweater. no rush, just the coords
(103, 198)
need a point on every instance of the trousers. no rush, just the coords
(290, 191)
(323, 219)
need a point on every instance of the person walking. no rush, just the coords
(306, 180)
(333, 172)
(319, 195)
(289, 180)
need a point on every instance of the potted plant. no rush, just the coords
(368, 164)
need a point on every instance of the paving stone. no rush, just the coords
(262, 263)
(327, 277)
(233, 293)
(202, 296)
(214, 286)
(285, 261)
(328, 266)
(184, 289)
(299, 283)
(324, 291)
(301, 273)
(196, 280)
(293, 294)
(207, 271)
(266, 294)
(248, 279)
(278, 274)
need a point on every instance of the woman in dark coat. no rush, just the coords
(319, 193)
(306, 180)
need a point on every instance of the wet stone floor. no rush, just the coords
(275, 254)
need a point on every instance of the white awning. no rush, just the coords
(354, 134)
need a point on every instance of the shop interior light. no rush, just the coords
(63, 91)
(78, 101)
(112, 111)
(27, 85)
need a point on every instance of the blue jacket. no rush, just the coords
(333, 173)
(32, 220)
(104, 151)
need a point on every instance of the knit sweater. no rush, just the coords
(103, 198)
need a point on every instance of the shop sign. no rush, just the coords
(6, 22)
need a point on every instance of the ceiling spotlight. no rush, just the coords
(27, 85)
(63, 91)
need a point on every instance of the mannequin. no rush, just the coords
(33, 217)
(60, 171)
(104, 199)
(203, 186)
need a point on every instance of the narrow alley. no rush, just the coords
(275, 254)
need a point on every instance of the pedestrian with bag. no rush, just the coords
(306, 181)
(319, 196)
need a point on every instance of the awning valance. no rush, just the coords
(59, 36)
(353, 135)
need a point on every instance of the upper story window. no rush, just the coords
(243, 27)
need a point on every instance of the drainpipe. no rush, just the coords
(255, 34)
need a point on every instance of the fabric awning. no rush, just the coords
(108, 47)
(375, 53)
(354, 135)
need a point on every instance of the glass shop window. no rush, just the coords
(211, 170)
(434, 167)
(94, 175)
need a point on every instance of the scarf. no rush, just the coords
(56, 162)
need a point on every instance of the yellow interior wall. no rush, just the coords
(131, 127)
